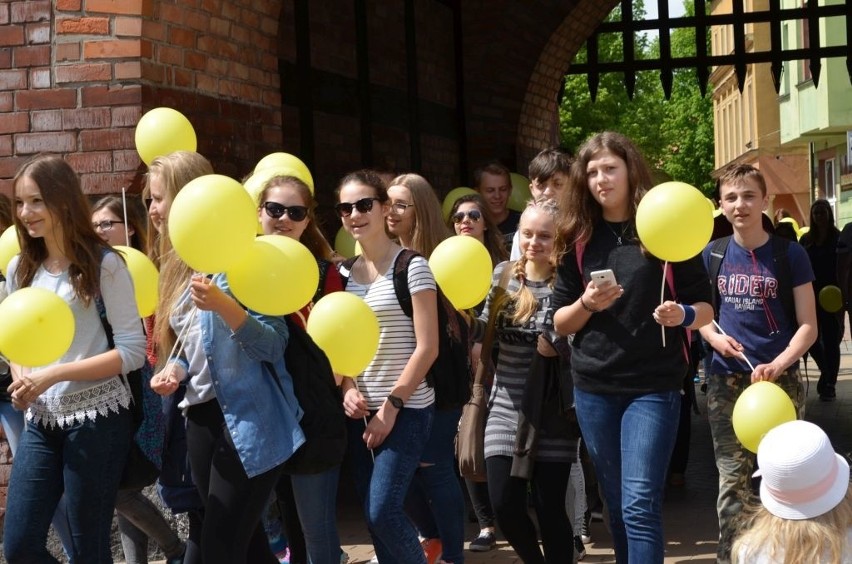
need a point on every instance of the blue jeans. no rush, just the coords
(382, 485)
(316, 502)
(630, 440)
(83, 463)
(435, 502)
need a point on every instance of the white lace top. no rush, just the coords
(69, 402)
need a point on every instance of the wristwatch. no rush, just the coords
(396, 401)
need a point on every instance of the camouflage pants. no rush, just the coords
(735, 463)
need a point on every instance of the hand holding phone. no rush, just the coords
(603, 278)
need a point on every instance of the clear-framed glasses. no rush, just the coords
(105, 225)
(400, 207)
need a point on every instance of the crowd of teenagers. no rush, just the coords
(607, 413)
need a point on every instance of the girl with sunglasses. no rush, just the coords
(391, 393)
(79, 425)
(469, 216)
(306, 502)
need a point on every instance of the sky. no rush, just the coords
(675, 8)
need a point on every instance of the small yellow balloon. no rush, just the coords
(831, 299)
(37, 327)
(212, 221)
(288, 161)
(674, 222)
(346, 329)
(803, 231)
(276, 275)
(792, 222)
(162, 131)
(521, 194)
(344, 244)
(452, 196)
(761, 407)
(9, 247)
(145, 279)
(462, 268)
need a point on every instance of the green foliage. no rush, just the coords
(675, 135)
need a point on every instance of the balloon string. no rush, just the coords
(662, 295)
(178, 347)
(373, 454)
(742, 354)
(124, 209)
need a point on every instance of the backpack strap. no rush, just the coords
(345, 269)
(780, 249)
(400, 280)
(717, 254)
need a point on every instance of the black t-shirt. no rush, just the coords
(620, 350)
(508, 227)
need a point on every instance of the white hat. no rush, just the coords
(802, 475)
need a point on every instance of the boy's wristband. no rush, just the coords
(688, 315)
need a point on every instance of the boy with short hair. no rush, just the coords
(493, 181)
(765, 306)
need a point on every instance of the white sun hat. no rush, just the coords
(802, 475)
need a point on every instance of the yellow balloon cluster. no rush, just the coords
(674, 222)
(37, 327)
(760, 408)
(462, 269)
(212, 222)
(346, 329)
(9, 247)
(162, 131)
(520, 192)
(145, 279)
(452, 196)
(275, 275)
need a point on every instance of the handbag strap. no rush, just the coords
(490, 327)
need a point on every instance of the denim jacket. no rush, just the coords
(262, 415)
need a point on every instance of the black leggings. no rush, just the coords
(233, 502)
(509, 500)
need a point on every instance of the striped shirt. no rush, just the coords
(396, 335)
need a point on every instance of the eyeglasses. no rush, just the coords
(474, 215)
(364, 205)
(276, 211)
(400, 207)
(105, 225)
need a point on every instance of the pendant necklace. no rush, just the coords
(618, 238)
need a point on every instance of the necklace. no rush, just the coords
(625, 227)
(377, 266)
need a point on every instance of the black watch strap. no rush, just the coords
(396, 401)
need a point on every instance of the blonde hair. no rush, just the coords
(789, 541)
(312, 238)
(429, 228)
(524, 302)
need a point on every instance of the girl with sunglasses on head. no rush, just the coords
(391, 393)
(79, 425)
(306, 502)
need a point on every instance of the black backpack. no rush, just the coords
(450, 374)
(323, 421)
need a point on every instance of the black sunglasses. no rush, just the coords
(364, 205)
(474, 215)
(276, 211)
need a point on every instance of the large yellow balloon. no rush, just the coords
(674, 222)
(37, 327)
(288, 161)
(462, 269)
(9, 247)
(521, 194)
(451, 198)
(162, 131)
(346, 329)
(760, 408)
(212, 221)
(344, 244)
(831, 299)
(276, 275)
(145, 279)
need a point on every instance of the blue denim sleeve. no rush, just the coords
(262, 337)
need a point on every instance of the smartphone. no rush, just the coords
(603, 278)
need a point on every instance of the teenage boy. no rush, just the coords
(494, 183)
(765, 306)
(549, 171)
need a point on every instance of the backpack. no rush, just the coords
(780, 248)
(323, 421)
(450, 374)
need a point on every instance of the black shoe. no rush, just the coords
(483, 543)
(579, 548)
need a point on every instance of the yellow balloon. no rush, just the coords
(162, 131)
(802, 231)
(451, 198)
(212, 221)
(674, 222)
(286, 160)
(831, 299)
(346, 329)
(761, 407)
(37, 327)
(276, 275)
(344, 244)
(792, 222)
(9, 247)
(520, 192)
(462, 269)
(145, 279)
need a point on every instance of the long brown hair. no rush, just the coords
(312, 237)
(492, 238)
(135, 219)
(64, 199)
(429, 227)
(581, 212)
